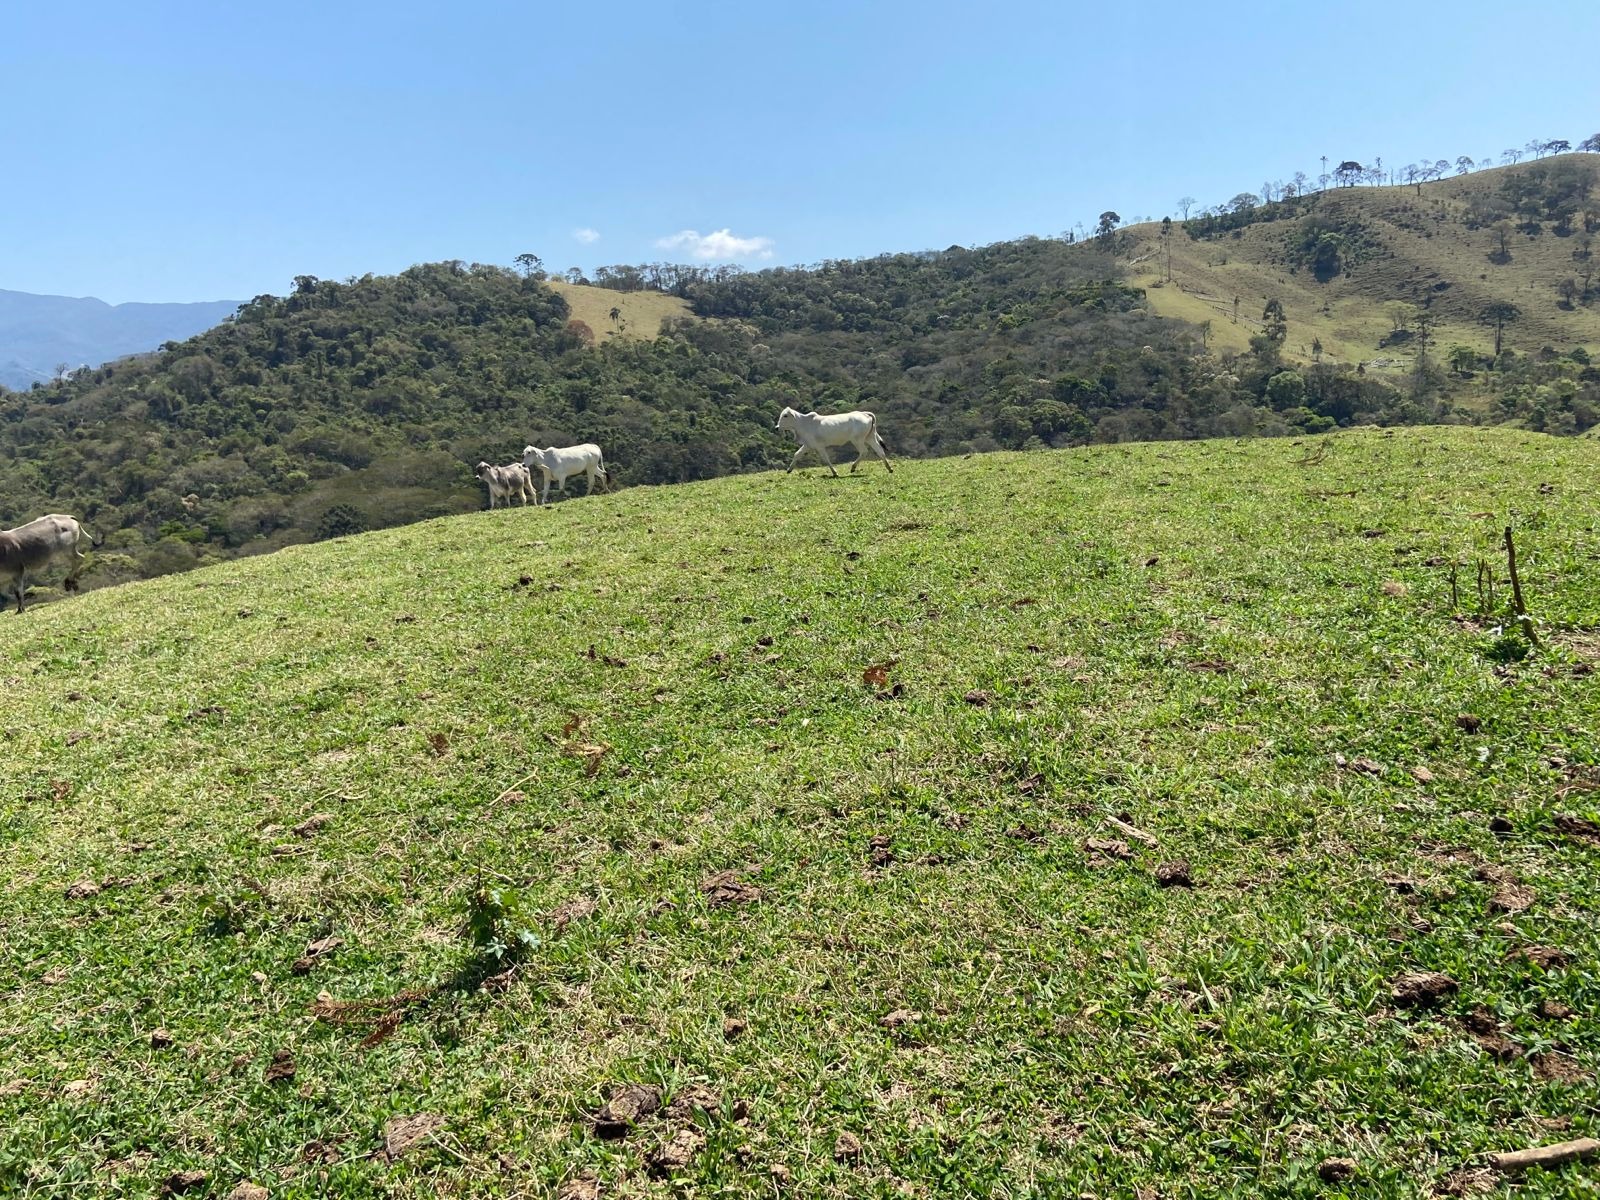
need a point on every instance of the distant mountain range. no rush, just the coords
(39, 333)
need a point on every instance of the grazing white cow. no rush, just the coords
(559, 464)
(506, 482)
(817, 433)
(30, 547)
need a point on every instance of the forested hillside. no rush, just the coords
(354, 405)
(1368, 272)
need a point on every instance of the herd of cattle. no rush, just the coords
(32, 547)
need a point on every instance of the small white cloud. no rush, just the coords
(722, 244)
(586, 235)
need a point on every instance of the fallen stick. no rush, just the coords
(1132, 831)
(1545, 1156)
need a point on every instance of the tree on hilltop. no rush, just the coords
(1592, 144)
(1463, 165)
(1349, 172)
(1107, 226)
(1185, 203)
(1512, 155)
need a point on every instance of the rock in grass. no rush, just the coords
(847, 1148)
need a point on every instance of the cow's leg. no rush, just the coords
(22, 588)
(881, 450)
(795, 461)
(827, 459)
(590, 473)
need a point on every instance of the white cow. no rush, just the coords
(30, 547)
(817, 433)
(506, 482)
(559, 464)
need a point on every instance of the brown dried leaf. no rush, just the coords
(311, 824)
(401, 1135)
(281, 1069)
(314, 951)
(725, 887)
(382, 1031)
(877, 675)
(571, 910)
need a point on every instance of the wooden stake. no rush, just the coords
(1517, 606)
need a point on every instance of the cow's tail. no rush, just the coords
(876, 436)
(95, 542)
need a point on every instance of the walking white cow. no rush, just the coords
(30, 547)
(559, 464)
(817, 433)
(506, 482)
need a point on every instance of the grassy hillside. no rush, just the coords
(639, 314)
(1434, 245)
(859, 935)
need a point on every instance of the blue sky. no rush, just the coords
(196, 151)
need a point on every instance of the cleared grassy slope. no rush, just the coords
(640, 313)
(1191, 635)
(1423, 251)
